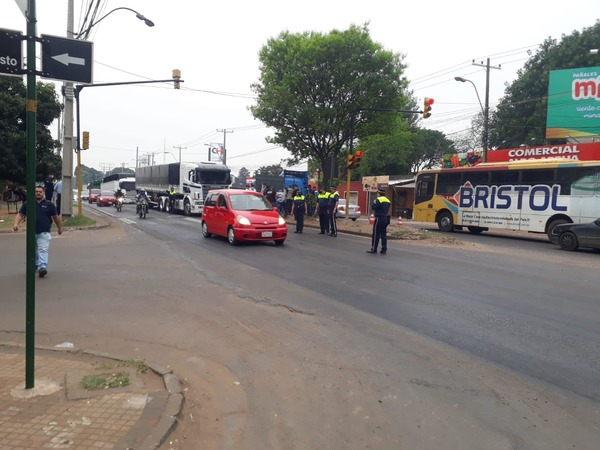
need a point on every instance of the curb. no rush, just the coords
(175, 398)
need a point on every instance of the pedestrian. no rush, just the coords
(289, 201)
(280, 198)
(49, 187)
(271, 196)
(323, 210)
(380, 208)
(45, 214)
(333, 200)
(299, 210)
(311, 201)
(58, 189)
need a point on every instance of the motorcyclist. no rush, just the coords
(139, 198)
(119, 195)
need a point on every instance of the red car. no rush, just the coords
(242, 216)
(93, 195)
(106, 198)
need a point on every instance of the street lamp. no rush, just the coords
(485, 112)
(85, 32)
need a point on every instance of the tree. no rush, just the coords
(274, 170)
(520, 117)
(89, 174)
(13, 130)
(311, 84)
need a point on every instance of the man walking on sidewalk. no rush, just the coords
(45, 214)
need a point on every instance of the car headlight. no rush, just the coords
(281, 221)
(242, 220)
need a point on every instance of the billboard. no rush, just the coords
(573, 103)
(582, 152)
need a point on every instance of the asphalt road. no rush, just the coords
(520, 303)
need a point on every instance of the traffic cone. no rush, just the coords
(371, 219)
(399, 221)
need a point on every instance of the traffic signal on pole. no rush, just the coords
(357, 157)
(176, 74)
(427, 107)
(86, 140)
(350, 162)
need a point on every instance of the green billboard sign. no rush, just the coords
(573, 103)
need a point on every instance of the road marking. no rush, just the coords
(127, 221)
(191, 219)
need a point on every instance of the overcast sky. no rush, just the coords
(216, 45)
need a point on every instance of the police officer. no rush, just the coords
(334, 198)
(322, 210)
(380, 208)
(172, 196)
(299, 210)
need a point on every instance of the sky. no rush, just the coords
(216, 46)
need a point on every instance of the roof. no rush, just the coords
(404, 183)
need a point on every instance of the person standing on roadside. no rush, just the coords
(58, 190)
(380, 208)
(334, 198)
(49, 187)
(299, 209)
(45, 214)
(322, 210)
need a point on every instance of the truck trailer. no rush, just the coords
(190, 181)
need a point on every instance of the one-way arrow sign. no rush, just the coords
(66, 59)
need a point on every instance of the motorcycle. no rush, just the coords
(119, 204)
(142, 208)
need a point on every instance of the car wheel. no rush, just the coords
(354, 219)
(279, 242)
(568, 241)
(187, 208)
(475, 230)
(445, 221)
(205, 232)
(231, 236)
(161, 205)
(553, 224)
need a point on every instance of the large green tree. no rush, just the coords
(520, 117)
(312, 85)
(13, 130)
(273, 170)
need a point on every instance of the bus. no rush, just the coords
(123, 181)
(532, 195)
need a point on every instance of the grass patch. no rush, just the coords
(139, 366)
(114, 380)
(78, 221)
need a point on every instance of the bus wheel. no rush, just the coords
(475, 230)
(161, 204)
(445, 222)
(568, 241)
(553, 224)
(187, 208)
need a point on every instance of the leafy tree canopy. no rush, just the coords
(13, 130)
(311, 84)
(274, 169)
(520, 117)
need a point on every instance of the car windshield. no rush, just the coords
(245, 202)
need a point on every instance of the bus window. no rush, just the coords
(575, 177)
(424, 190)
(477, 178)
(533, 177)
(502, 177)
(449, 183)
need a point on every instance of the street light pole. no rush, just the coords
(484, 112)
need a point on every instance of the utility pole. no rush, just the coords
(179, 147)
(486, 111)
(68, 145)
(224, 131)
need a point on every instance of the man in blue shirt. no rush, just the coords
(45, 214)
(334, 198)
(381, 208)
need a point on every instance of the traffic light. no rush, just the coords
(350, 162)
(357, 157)
(427, 107)
(176, 74)
(86, 140)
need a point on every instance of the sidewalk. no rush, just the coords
(59, 413)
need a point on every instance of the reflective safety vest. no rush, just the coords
(381, 206)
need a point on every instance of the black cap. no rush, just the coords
(381, 191)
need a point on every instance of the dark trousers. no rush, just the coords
(332, 223)
(380, 232)
(58, 199)
(324, 221)
(299, 215)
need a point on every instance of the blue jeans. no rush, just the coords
(42, 241)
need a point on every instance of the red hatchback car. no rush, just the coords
(93, 195)
(106, 198)
(242, 216)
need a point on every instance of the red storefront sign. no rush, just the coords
(582, 152)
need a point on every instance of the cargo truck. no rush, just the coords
(189, 181)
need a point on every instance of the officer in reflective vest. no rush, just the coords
(299, 210)
(334, 197)
(322, 209)
(380, 208)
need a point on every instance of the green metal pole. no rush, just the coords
(31, 123)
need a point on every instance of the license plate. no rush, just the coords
(267, 234)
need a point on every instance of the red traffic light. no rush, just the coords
(428, 101)
(359, 154)
(427, 107)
